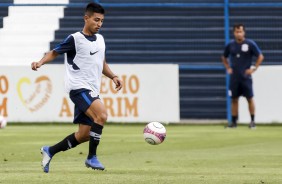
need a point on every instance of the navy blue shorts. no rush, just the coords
(82, 100)
(243, 87)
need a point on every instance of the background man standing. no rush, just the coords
(241, 51)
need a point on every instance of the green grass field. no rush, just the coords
(190, 154)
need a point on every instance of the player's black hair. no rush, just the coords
(237, 26)
(94, 8)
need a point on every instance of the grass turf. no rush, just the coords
(190, 154)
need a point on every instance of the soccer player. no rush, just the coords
(84, 63)
(240, 51)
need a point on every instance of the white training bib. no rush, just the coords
(88, 62)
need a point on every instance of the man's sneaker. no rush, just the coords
(94, 163)
(252, 125)
(46, 158)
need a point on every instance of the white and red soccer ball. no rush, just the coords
(154, 133)
(3, 122)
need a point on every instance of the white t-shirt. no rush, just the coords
(84, 61)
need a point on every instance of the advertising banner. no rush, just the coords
(150, 93)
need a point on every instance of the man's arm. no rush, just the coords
(49, 56)
(257, 52)
(67, 45)
(108, 72)
(226, 64)
(225, 60)
(258, 62)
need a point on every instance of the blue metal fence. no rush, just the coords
(193, 5)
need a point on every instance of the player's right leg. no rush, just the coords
(234, 108)
(235, 93)
(96, 111)
(85, 133)
(93, 113)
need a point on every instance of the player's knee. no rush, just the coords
(102, 118)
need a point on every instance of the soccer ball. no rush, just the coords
(154, 133)
(3, 122)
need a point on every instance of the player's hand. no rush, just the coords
(229, 71)
(35, 65)
(249, 71)
(118, 83)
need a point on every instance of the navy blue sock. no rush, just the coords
(253, 118)
(95, 136)
(234, 119)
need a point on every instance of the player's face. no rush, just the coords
(94, 22)
(239, 34)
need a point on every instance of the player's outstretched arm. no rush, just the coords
(49, 56)
(108, 72)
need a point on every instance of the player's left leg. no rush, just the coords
(251, 104)
(48, 152)
(71, 141)
(249, 94)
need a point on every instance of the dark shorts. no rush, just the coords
(243, 87)
(82, 100)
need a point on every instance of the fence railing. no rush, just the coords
(192, 5)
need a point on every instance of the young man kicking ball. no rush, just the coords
(85, 63)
